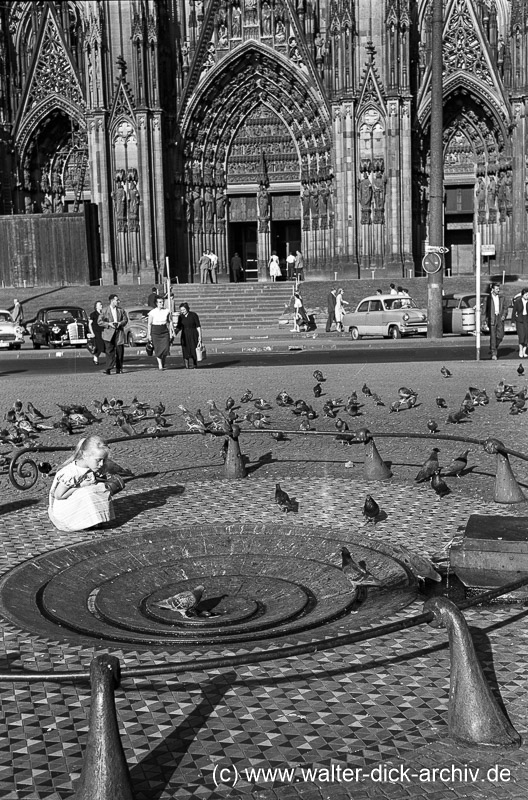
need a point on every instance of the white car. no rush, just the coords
(386, 315)
(11, 335)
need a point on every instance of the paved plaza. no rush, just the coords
(371, 707)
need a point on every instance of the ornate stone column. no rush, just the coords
(101, 183)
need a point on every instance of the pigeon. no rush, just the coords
(482, 398)
(183, 602)
(135, 403)
(370, 509)
(329, 411)
(284, 399)
(419, 566)
(439, 485)
(377, 399)
(261, 423)
(394, 407)
(219, 421)
(520, 370)
(457, 417)
(159, 409)
(317, 390)
(247, 396)
(44, 467)
(229, 403)
(283, 500)
(445, 372)
(352, 407)
(261, 405)
(305, 426)
(193, 421)
(432, 426)
(404, 392)
(441, 403)
(357, 572)
(318, 375)
(341, 425)
(457, 466)
(366, 391)
(278, 436)
(34, 411)
(429, 466)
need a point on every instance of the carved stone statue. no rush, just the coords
(236, 29)
(365, 198)
(119, 196)
(47, 204)
(265, 11)
(263, 208)
(378, 196)
(197, 210)
(133, 206)
(209, 210)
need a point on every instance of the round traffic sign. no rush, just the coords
(431, 263)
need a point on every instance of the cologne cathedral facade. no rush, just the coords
(136, 134)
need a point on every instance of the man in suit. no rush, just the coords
(113, 321)
(153, 297)
(331, 303)
(495, 315)
(204, 266)
(520, 317)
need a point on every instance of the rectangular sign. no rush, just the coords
(487, 249)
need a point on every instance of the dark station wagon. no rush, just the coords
(60, 326)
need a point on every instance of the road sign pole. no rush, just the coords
(477, 294)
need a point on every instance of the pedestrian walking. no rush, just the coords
(520, 318)
(113, 321)
(204, 266)
(153, 296)
(299, 266)
(213, 270)
(191, 335)
(236, 268)
(96, 332)
(18, 313)
(331, 304)
(495, 316)
(274, 266)
(160, 332)
(340, 310)
(290, 266)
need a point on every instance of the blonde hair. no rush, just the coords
(89, 444)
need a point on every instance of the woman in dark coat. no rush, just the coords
(191, 334)
(96, 331)
(520, 317)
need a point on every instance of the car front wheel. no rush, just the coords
(354, 333)
(394, 332)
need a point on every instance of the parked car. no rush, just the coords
(136, 328)
(59, 326)
(458, 313)
(386, 315)
(11, 335)
(509, 326)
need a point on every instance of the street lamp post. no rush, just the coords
(436, 178)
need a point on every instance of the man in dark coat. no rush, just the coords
(495, 316)
(236, 268)
(153, 297)
(113, 321)
(331, 303)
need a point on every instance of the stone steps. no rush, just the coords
(235, 305)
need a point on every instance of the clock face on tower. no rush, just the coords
(371, 116)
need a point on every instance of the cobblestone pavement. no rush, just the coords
(369, 707)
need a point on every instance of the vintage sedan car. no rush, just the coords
(136, 328)
(386, 315)
(11, 335)
(60, 326)
(458, 314)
